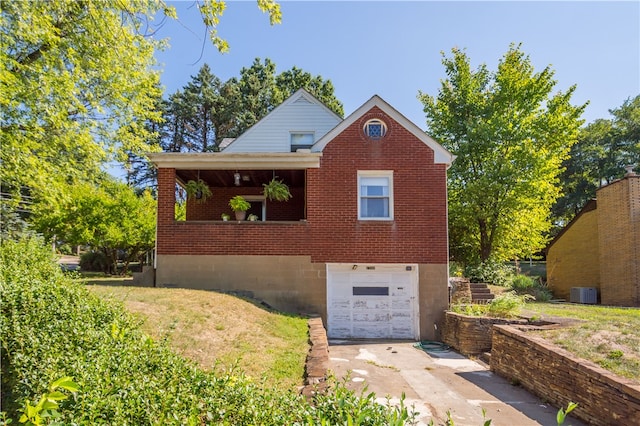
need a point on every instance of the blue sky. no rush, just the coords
(393, 49)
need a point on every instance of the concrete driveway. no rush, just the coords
(435, 382)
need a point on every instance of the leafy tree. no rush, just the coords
(78, 88)
(212, 10)
(76, 84)
(109, 217)
(510, 135)
(604, 148)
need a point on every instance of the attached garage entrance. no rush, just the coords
(372, 301)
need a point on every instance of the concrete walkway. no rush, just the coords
(437, 382)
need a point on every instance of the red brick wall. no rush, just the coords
(231, 238)
(418, 233)
(166, 197)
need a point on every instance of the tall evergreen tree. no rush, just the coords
(201, 97)
(288, 82)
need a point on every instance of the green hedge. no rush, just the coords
(52, 327)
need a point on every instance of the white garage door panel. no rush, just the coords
(372, 301)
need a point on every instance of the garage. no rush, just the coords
(372, 301)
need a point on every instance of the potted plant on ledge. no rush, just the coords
(276, 190)
(240, 206)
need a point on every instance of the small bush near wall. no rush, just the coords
(492, 272)
(94, 261)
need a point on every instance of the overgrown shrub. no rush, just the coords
(542, 293)
(52, 327)
(491, 272)
(533, 286)
(507, 305)
(94, 261)
(522, 283)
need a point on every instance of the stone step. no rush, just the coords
(487, 294)
(478, 285)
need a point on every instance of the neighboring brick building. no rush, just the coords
(363, 241)
(600, 247)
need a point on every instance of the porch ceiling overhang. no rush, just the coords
(235, 161)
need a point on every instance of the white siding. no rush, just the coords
(272, 133)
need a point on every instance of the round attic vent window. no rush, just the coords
(375, 129)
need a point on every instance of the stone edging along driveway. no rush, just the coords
(317, 362)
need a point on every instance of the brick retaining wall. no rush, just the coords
(471, 335)
(559, 377)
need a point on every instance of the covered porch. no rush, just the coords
(233, 174)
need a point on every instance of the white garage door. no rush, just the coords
(372, 301)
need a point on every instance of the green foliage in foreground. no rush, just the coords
(51, 327)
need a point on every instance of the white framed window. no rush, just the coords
(375, 195)
(301, 140)
(258, 206)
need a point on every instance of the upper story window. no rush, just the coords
(375, 195)
(375, 129)
(301, 140)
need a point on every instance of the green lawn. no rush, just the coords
(608, 336)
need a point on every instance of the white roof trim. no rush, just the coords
(232, 161)
(441, 155)
(290, 100)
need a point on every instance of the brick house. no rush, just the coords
(599, 248)
(363, 241)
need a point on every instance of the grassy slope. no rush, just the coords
(211, 328)
(608, 336)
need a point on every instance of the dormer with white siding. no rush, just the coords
(297, 123)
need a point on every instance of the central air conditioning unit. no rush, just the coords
(584, 295)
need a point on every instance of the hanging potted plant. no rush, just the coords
(276, 190)
(240, 206)
(198, 190)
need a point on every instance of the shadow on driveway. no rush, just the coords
(437, 383)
